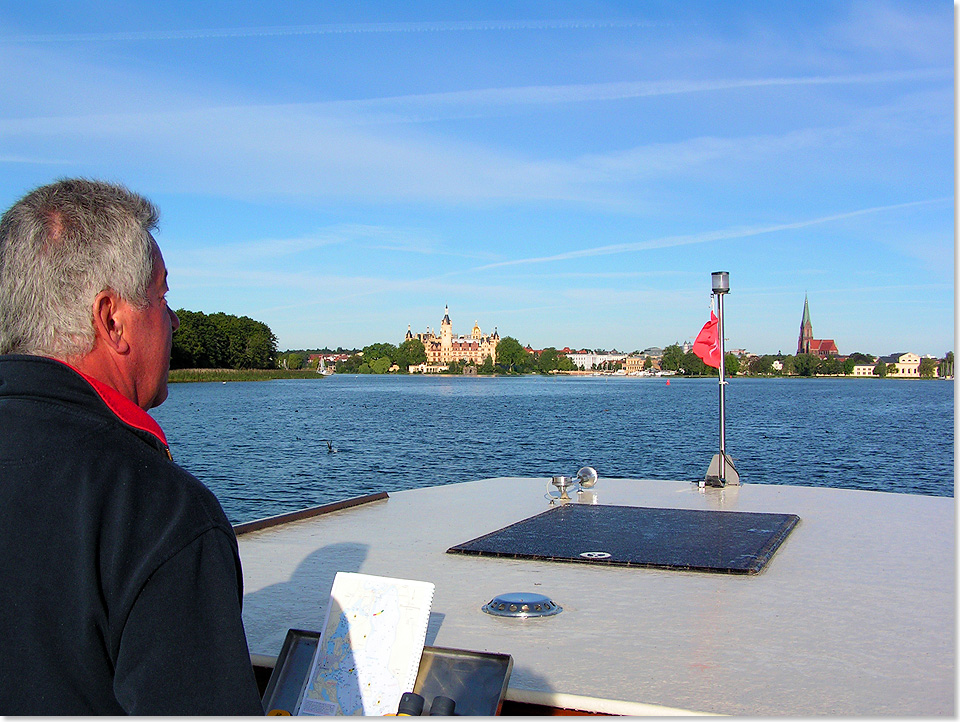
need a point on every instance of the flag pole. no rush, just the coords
(721, 470)
(721, 286)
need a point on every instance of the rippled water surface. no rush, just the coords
(262, 446)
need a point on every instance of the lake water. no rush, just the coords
(262, 446)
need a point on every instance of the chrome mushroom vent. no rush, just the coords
(522, 605)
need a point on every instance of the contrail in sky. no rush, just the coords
(585, 92)
(720, 235)
(328, 29)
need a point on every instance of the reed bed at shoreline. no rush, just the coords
(201, 375)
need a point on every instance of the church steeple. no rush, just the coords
(806, 329)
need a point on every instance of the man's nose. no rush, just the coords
(174, 321)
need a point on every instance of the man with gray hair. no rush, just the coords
(120, 579)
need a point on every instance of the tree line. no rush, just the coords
(511, 358)
(222, 341)
(379, 358)
(804, 364)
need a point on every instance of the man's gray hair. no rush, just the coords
(60, 246)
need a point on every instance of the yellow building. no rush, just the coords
(634, 364)
(899, 365)
(447, 348)
(903, 365)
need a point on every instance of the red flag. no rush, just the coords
(707, 345)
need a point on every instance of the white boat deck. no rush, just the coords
(853, 615)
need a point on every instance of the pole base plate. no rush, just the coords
(730, 475)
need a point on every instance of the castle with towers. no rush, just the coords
(447, 348)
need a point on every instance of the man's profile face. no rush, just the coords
(150, 336)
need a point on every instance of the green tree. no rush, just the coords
(380, 365)
(731, 364)
(672, 358)
(251, 344)
(295, 361)
(513, 357)
(693, 365)
(880, 369)
(830, 366)
(199, 343)
(487, 366)
(222, 340)
(946, 365)
(549, 360)
(261, 349)
(928, 368)
(862, 358)
(760, 365)
(805, 364)
(456, 367)
(379, 350)
(410, 353)
(848, 365)
(788, 365)
(565, 363)
(351, 365)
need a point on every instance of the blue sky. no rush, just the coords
(570, 173)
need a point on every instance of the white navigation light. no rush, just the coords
(721, 281)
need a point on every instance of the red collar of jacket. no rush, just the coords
(127, 411)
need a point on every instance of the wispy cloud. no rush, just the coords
(232, 254)
(911, 30)
(277, 151)
(31, 160)
(346, 291)
(371, 237)
(325, 29)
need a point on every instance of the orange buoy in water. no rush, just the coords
(668, 383)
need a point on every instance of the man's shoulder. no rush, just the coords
(65, 441)
(183, 490)
(164, 491)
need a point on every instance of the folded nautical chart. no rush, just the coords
(370, 646)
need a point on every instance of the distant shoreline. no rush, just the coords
(225, 375)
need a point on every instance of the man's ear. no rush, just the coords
(108, 320)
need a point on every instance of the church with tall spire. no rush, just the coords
(820, 347)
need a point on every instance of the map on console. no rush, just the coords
(370, 646)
